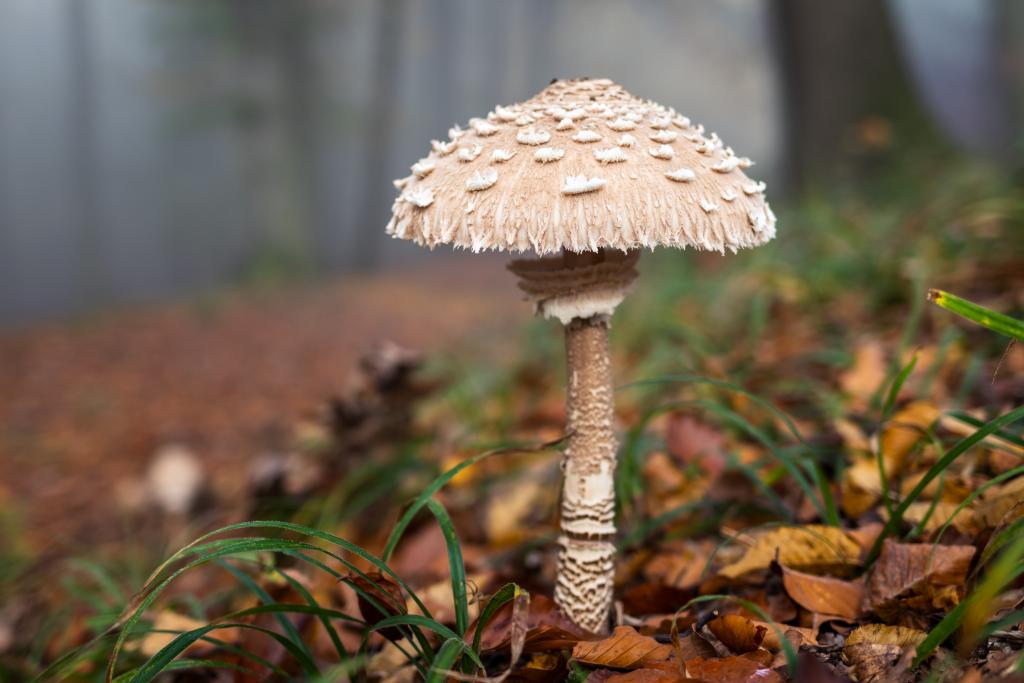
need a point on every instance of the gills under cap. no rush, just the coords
(582, 166)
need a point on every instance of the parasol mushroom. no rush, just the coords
(584, 175)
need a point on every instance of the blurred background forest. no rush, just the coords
(197, 297)
(150, 150)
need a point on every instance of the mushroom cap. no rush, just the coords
(583, 165)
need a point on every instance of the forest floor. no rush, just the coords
(820, 476)
(225, 377)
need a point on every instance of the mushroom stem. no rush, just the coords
(586, 561)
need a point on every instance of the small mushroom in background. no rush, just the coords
(559, 190)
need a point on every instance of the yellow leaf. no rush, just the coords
(812, 548)
(903, 432)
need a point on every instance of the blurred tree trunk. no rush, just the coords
(389, 39)
(840, 63)
(84, 167)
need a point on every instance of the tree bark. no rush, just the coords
(586, 561)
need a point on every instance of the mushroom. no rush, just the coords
(586, 211)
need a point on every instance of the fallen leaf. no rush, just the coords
(813, 670)
(962, 429)
(671, 674)
(867, 374)
(662, 477)
(695, 442)
(811, 548)
(440, 602)
(904, 430)
(876, 652)
(824, 594)
(918, 577)
(624, 649)
(796, 635)
(861, 486)
(736, 669)
(688, 644)
(936, 514)
(738, 633)
(548, 628)
(854, 438)
(388, 600)
(514, 507)
(1001, 503)
(679, 564)
(654, 598)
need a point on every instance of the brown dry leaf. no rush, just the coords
(880, 653)
(440, 602)
(654, 598)
(386, 593)
(866, 535)
(547, 628)
(390, 664)
(814, 670)
(824, 594)
(903, 431)
(1001, 503)
(669, 674)
(860, 487)
(736, 669)
(688, 644)
(918, 577)
(540, 667)
(695, 442)
(514, 507)
(854, 438)
(867, 374)
(738, 633)
(961, 428)
(662, 476)
(797, 635)
(679, 564)
(966, 521)
(811, 548)
(624, 649)
(948, 490)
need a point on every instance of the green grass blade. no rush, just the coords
(975, 422)
(997, 322)
(430, 624)
(437, 484)
(286, 625)
(641, 532)
(210, 550)
(501, 597)
(729, 386)
(456, 567)
(324, 621)
(185, 664)
(445, 660)
(938, 468)
(1006, 569)
(791, 464)
(894, 388)
(158, 663)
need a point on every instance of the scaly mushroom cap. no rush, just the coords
(583, 165)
